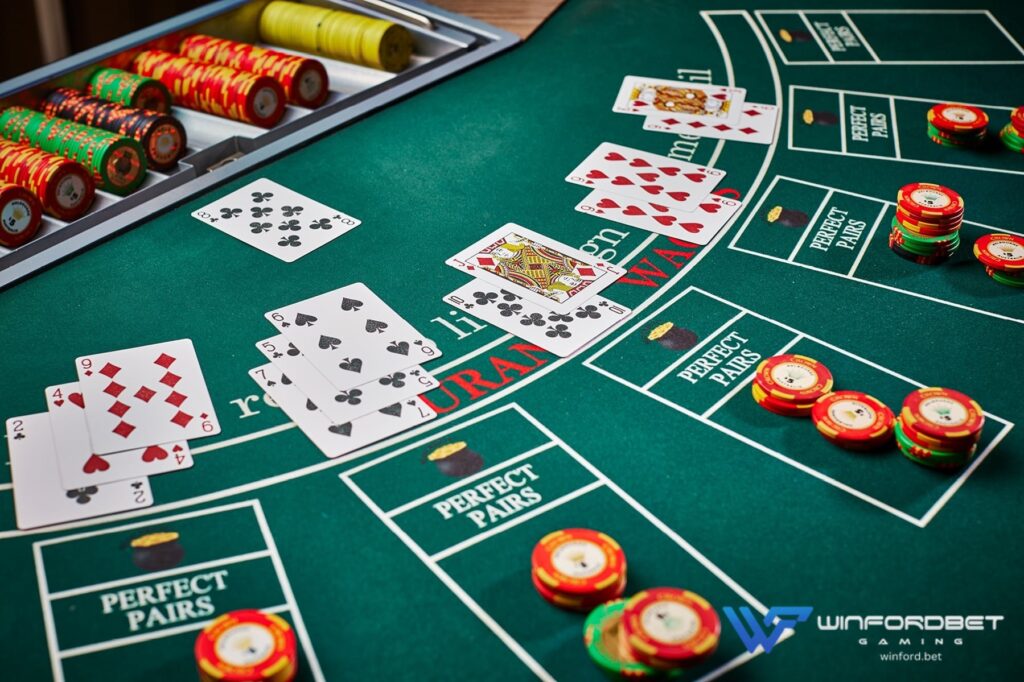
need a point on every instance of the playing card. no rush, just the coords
(538, 268)
(343, 406)
(276, 220)
(140, 396)
(756, 124)
(559, 333)
(649, 177)
(335, 440)
(698, 226)
(79, 467)
(39, 499)
(351, 336)
(693, 101)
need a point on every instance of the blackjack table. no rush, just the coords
(410, 557)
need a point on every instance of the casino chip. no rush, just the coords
(606, 644)
(853, 420)
(578, 568)
(1003, 257)
(939, 427)
(117, 163)
(247, 646)
(1012, 134)
(790, 384)
(218, 90)
(20, 215)
(957, 125)
(926, 228)
(667, 627)
(64, 188)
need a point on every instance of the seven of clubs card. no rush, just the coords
(276, 220)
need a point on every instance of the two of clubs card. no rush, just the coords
(654, 193)
(276, 220)
(697, 109)
(347, 369)
(537, 288)
(129, 416)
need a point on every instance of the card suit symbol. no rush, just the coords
(289, 226)
(123, 429)
(164, 360)
(137, 485)
(113, 389)
(19, 436)
(145, 394)
(639, 163)
(664, 219)
(710, 208)
(285, 380)
(175, 398)
(170, 379)
(670, 171)
(633, 210)
(607, 203)
(277, 354)
(181, 419)
(271, 383)
(559, 331)
(351, 397)
(399, 347)
(290, 240)
(260, 197)
(619, 180)
(696, 177)
(652, 189)
(396, 380)
(82, 495)
(292, 350)
(58, 403)
(310, 405)
(289, 211)
(696, 125)
(672, 121)
(392, 410)
(722, 127)
(375, 326)
(596, 175)
(659, 208)
(751, 112)
(153, 452)
(692, 228)
(321, 224)
(303, 320)
(639, 103)
(350, 304)
(614, 156)
(230, 212)
(259, 228)
(748, 131)
(679, 196)
(328, 342)
(95, 463)
(176, 449)
(419, 342)
(649, 177)
(258, 212)
(351, 365)
(118, 408)
(341, 429)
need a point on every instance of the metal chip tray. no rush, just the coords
(220, 148)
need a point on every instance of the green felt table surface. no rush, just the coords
(702, 488)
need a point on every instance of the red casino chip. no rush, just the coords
(20, 215)
(578, 561)
(853, 417)
(247, 646)
(1017, 118)
(794, 378)
(928, 200)
(943, 415)
(932, 228)
(957, 118)
(1000, 251)
(779, 406)
(668, 627)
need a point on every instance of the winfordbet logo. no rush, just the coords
(776, 622)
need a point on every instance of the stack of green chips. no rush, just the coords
(116, 162)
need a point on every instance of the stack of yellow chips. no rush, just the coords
(336, 34)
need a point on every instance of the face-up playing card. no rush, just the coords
(39, 499)
(343, 406)
(79, 467)
(648, 177)
(335, 440)
(558, 333)
(694, 101)
(145, 395)
(540, 269)
(351, 336)
(756, 124)
(276, 220)
(697, 227)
